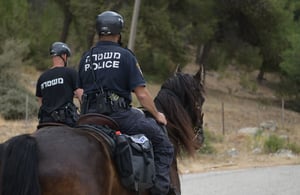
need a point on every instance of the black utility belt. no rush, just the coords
(105, 103)
(68, 110)
(107, 97)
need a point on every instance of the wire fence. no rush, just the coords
(226, 117)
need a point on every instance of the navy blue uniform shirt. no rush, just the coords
(56, 87)
(116, 69)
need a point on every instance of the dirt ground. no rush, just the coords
(242, 107)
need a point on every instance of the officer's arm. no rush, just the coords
(78, 93)
(146, 100)
(40, 100)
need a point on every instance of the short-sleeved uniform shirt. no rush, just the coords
(115, 69)
(56, 87)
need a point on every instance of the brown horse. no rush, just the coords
(61, 160)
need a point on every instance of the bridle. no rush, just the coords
(198, 131)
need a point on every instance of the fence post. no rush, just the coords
(282, 112)
(223, 119)
(26, 109)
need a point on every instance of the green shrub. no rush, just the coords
(14, 104)
(156, 65)
(273, 144)
(246, 83)
(14, 52)
(207, 148)
(213, 137)
(210, 138)
(12, 93)
(295, 148)
(217, 63)
(258, 139)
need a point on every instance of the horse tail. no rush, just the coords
(19, 173)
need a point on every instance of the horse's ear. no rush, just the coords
(178, 69)
(199, 76)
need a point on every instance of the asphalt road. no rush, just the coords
(279, 180)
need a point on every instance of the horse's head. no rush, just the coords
(181, 98)
(193, 99)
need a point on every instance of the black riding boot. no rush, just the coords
(163, 160)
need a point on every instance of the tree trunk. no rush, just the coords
(260, 76)
(202, 53)
(199, 54)
(201, 58)
(67, 22)
(90, 39)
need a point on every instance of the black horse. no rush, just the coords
(61, 160)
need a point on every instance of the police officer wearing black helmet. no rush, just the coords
(108, 74)
(56, 89)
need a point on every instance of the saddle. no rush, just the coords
(99, 125)
(47, 124)
(88, 119)
(98, 119)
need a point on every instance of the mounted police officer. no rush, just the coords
(56, 88)
(108, 73)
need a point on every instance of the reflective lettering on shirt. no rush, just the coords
(53, 82)
(103, 60)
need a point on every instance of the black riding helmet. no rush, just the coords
(109, 23)
(59, 48)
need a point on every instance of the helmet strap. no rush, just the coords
(120, 40)
(65, 61)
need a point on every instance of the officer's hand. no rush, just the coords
(160, 118)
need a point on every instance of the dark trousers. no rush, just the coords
(133, 121)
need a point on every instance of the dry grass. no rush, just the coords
(12, 128)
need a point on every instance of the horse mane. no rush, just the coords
(19, 166)
(177, 101)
